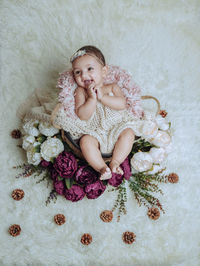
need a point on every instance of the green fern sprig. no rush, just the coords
(121, 200)
(144, 197)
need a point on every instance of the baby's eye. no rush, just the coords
(77, 72)
(90, 68)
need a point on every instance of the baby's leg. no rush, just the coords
(91, 152)
(122, 149)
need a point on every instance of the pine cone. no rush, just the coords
(18, 194)
(163, 113)
(173, 178)
(14, 230)
(106, 216)
(128, 237)
(153, 213)
(16, 134)
(86, 239)
(59, 219)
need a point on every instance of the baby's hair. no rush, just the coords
(91, 50)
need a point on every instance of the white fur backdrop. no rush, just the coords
(158, 41)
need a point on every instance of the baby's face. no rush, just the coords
(87, 70)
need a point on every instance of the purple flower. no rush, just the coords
(66, 164)
(115, 180)
(85, 175)
(45, 164)
(126, 167)
(75, 193)
(54, 174)
(94, 190)
(59, 187)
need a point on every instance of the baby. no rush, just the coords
(101, 109)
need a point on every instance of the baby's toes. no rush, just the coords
(119, 170)
(106, 175)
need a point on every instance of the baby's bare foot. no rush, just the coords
(115, 168)
(105, 173)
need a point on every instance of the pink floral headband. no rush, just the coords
(81, 53)
(77, 54)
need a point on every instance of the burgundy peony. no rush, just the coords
(115, 180)
(66, 164)
(54, 174)
(94, 190)
(75, 193)
(59, 187)
(126, 167)
(45, 164)
(85, 175)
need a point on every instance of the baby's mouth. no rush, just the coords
(88, 82)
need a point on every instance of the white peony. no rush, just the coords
(47, 129)
(27, 141)
(149, 129)
(162, 139)
(162, 123)
(30, 127)
(141, 161)
(32, 156)
(51, 148)
(158, 154)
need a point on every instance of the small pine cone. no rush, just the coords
(106, 216)
(173, 178)
(14, 230)
(86, 239)
(153, 213)
(163, 113)
(16, 134)
(59, 219)
(17, 194)
(128, 237)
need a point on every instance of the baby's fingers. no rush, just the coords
(91, 85)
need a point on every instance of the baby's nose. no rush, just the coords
(84, 75)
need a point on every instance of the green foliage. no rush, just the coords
(121, 200)
(141, 145)
(41, 138)
(68, 183)
(143, 185)
(34, 171)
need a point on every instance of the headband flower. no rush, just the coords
(77, 54)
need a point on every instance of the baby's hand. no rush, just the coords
(99, 93)
(91, 91)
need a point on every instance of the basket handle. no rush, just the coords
(153, 98)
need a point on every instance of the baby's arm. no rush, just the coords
(84, 107)
(116, 102)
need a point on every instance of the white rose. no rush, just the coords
(27, 141)
(47, 129)
(149, 129)
(141, 161)
(30, 127)
(158, 154)
(51, 148)
(162, 123)
(33, 157)
(162, 139)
